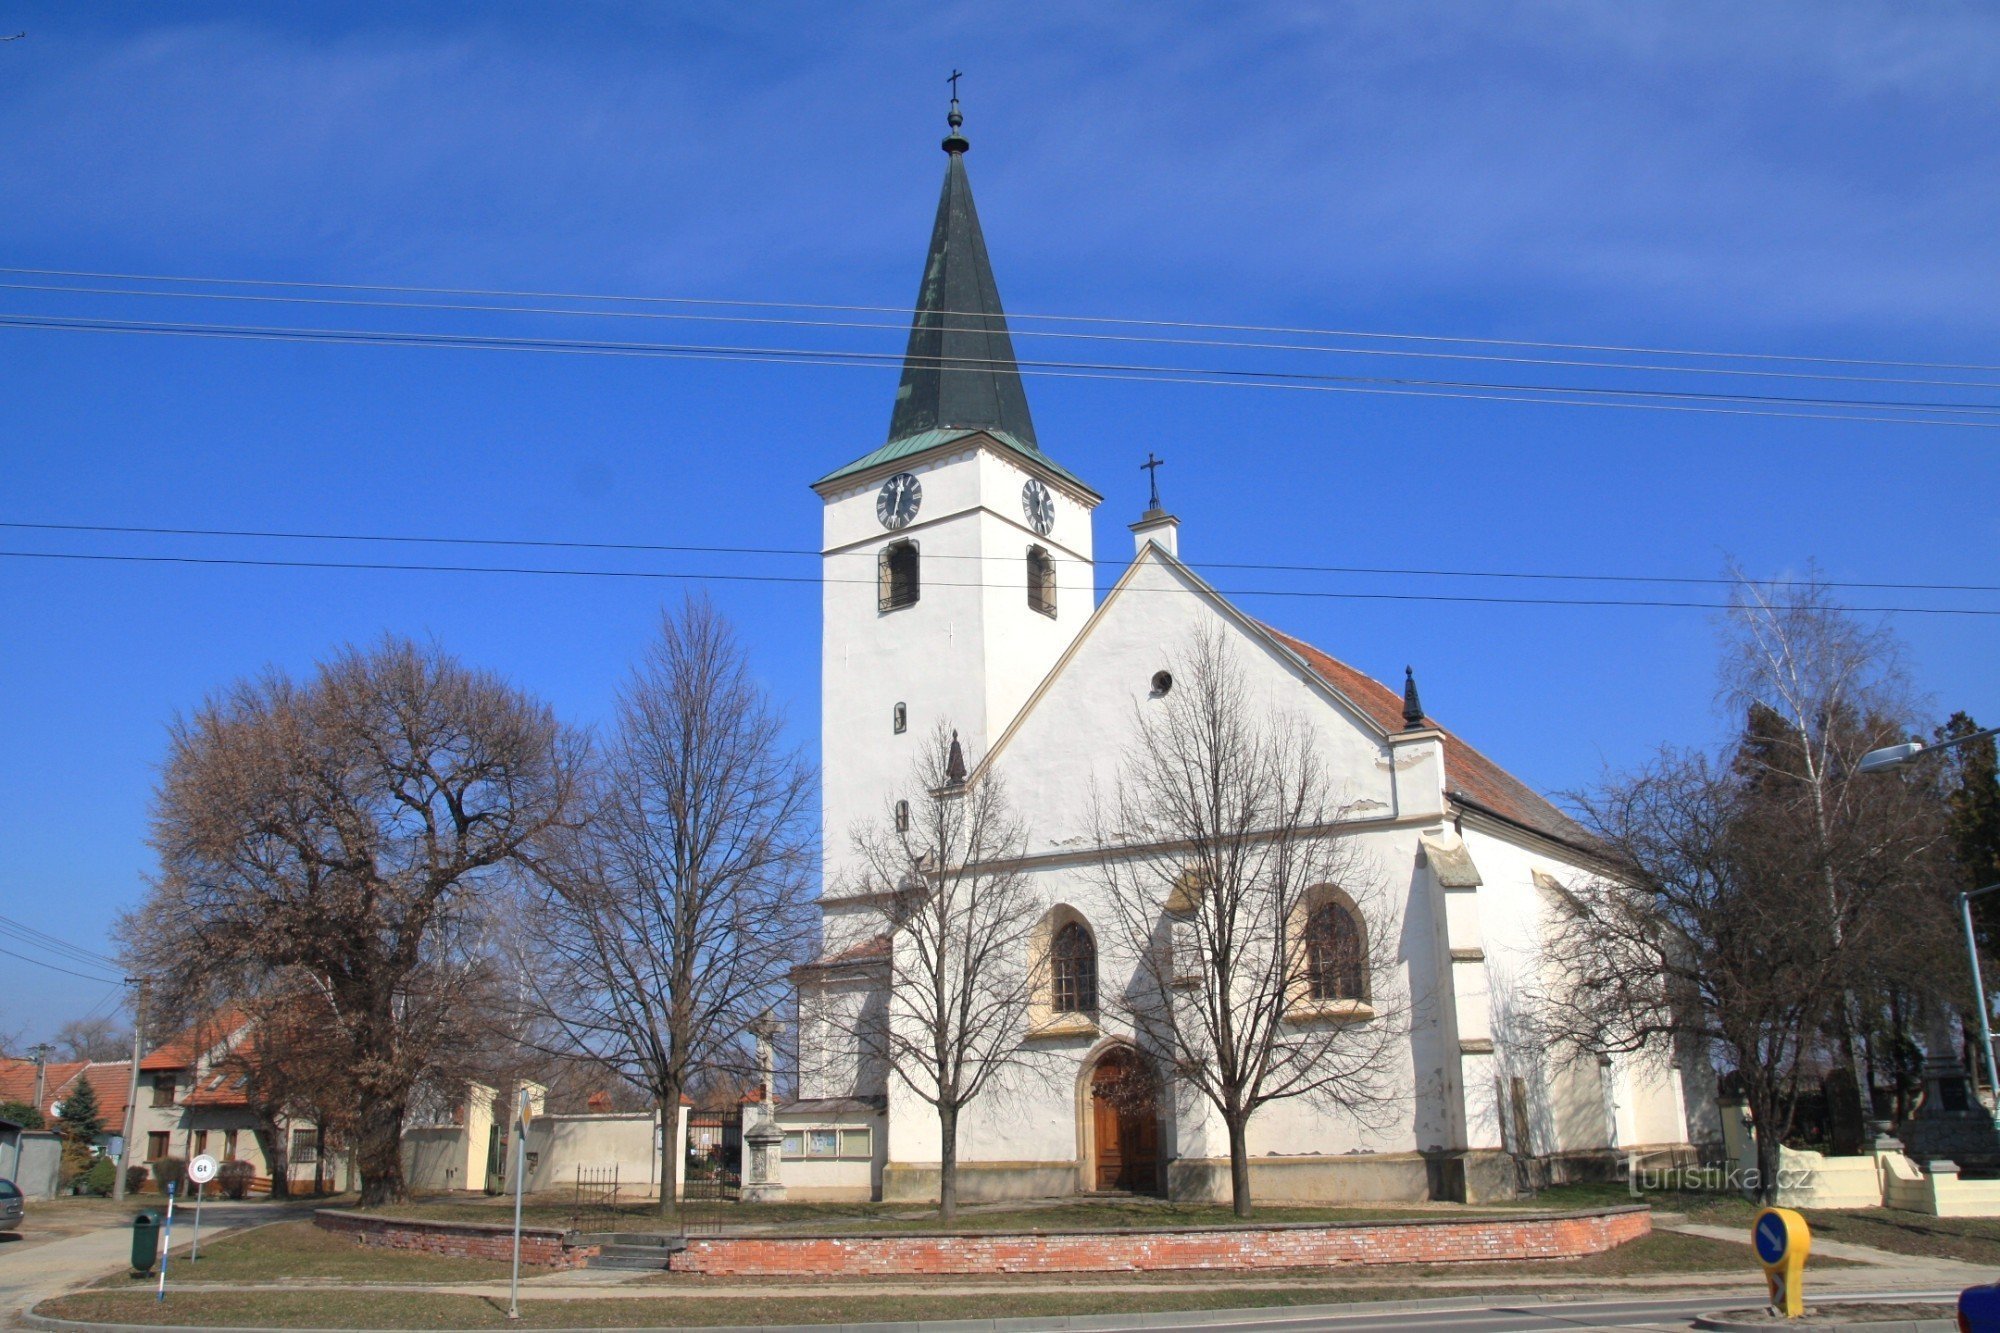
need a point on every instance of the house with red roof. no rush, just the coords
(959, 596)
(206, 1074)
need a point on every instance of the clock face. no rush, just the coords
(1039, 506)
(897, 502)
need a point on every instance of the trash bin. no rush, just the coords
(145, 1242)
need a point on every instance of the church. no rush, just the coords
(1042, 684)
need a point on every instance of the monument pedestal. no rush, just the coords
(1950, 1125)
(762, 1145)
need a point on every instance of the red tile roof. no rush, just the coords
(218, 1088)
(183, 1049)
(111, 1079)
(1470, 777)
(865, 952)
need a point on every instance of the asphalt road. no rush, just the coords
(1674, 1313)
(31, 1272)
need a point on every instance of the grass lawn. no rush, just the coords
(289, 1251)
(1973, 1239)
(420, 1311)
(798, 1219)
(1718, 1209)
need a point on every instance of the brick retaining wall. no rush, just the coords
(1293, 1245)
(541, 1247)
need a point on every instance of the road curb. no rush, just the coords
(1080, 1323)
(1717, 1324)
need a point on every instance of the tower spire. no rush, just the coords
(959, 369)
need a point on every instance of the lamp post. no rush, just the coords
(1891, 756)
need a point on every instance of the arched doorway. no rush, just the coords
(1125, 1123)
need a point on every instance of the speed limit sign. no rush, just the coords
(202, 1169)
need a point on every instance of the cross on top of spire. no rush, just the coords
(1151, 467)
(955, 142)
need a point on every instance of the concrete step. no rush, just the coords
(651, 1240)
(655, 1262)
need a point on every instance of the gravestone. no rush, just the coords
(1846, 1129)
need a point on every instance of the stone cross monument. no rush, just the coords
(762, 1139)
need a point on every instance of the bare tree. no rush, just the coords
(1817, 688)
(349, 830)
(1698, 934)
(665, 924)
(93, 1039)
(960, 917)
(1262, 964)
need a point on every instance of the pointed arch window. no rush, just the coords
(897, 582)
(1335, 961)
(1041, 580)
(1073, 969)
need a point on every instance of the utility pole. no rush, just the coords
(41, 1054)
(132, 1086)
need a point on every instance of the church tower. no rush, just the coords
(957, 557)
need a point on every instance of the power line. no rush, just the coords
(1017, 332)
(692, 549)
(27, 934)
(109, 981)
(1130, 321)
(1718, 404)
(677, 575)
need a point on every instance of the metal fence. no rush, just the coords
(596, 1199)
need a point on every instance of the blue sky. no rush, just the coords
(1814, 178)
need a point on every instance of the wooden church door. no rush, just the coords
(1125, 1125)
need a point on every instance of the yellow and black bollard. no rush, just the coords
(1782, 1241)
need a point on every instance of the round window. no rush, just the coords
(1162, 682)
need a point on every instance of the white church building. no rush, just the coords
(961, 588)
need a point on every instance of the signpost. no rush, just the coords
(167, 1239)
(201, 1170)
(524, 1111)
(1782, 1242)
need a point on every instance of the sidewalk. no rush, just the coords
(31, 1273)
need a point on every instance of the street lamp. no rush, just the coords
(1890, 756)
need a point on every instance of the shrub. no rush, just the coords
(101, 1176)
(135, 1179)
(22, 1114)
(234, 1179)
(171, 1171)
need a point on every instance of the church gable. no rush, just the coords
(1077, 725)
(1065, 745)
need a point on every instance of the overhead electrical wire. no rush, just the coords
(658, 548)
(1931, 413)
(900, 329)
(22, 933)
(716, 576)
(903, 312)
(109, 981)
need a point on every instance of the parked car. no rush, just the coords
(12, 1206)
(1979, 1309)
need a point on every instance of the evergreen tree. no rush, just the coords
(80, 1120)
(81, 1124)
(1973, 792)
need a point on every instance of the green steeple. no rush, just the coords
(959, 370)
